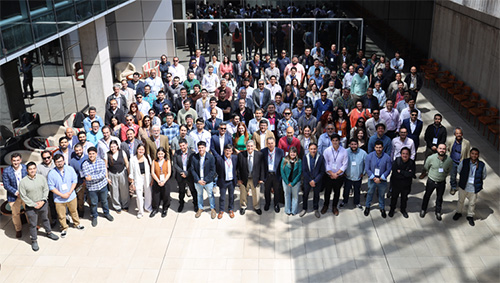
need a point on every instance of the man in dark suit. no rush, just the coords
(313, 168)
(250, 176)
(414, 82)
(182, 162)
(203, 171)
(219, 141)
(120, 98)
(261, 96)
(113, 110)
(226, 171)
(136, 84)
(200, 60)
(272, 160)
(130, 144)
(212, 124)
(239, 67)
(414, 127)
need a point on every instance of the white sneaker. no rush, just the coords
(80, 227)
(139, 216)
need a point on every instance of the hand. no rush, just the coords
(88, 178)
(361, 175)
(240, 182)
(109, 181)
(183, 175)
(433, 148)
(67, 195)
(39, 204)
(17, 193)
(312, 184)
(290, 184)
(201, 182)
(399, 170)
(261, 182)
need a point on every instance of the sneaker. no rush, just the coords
(382, 212)
(359, 206)
(69, 220)
(471, 220)
(139, 216)
(453, 191)
(63, 234)
(367, 211)
(109, 217)
(242, 211)
(34, 246)
(438, 216)
(317, 214)
(457, 216)
(80, 227)
(302, 213)
(198, 213)
(341, 204)
(52, 236)
(94, 221)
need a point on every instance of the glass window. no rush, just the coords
(83, 10)
(66, 15)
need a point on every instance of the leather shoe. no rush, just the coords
(221, 213)
(164, 213)
(277, 208)
(266, 207)
(471, 220)
(423, 175)
(438, 216)
(405, 214)
(242, 211)
(181, 207)
(153, 213)
(19, 234)
(391, 213)
(422, 213)
(335, 211)
(198, 213)
(316, 213)
(231, 214)
(457, 216)
(258, 211)
(367, 211)
(324, 209)
(382, 212)
(213, 213)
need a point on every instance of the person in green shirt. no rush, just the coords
(438, 166)
(34, 191)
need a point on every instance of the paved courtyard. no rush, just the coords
(275, 247)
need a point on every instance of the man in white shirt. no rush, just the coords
(207, 111)
(402, 141)
(379, 93)
(271, 71)
(177, 70)
(103, 144)
(210, 81)
(142, 105)
(391, 118)
(154, 82)
(273, 87)
(371, 124)
(127, 92)
(346, 82)
(405, 114)
(200, 134)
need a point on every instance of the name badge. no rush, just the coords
(377, 172)
(347, 110)
(471, 180)
(440, 170)
(271, 167)
(184, 168)
(256, 70)
(411, 85)
(334, 166)
(229, 175)
(64, 188)
(307, 66)
(434, 140)
(331, 60)
(353, 163)
(339, 133)
(162, 177)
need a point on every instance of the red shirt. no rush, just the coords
(283, 144)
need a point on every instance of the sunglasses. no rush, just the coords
(288, 113)
(46, 158)
(222, 128)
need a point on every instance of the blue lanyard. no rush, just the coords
(436, 132)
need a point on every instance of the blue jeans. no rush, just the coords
(372, 186)
(230, 188)
(96, 197)
(453, 176)
(209, 187)
(347, 188)
(291, 198)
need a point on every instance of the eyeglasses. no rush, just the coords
(130, 119)
(287, 113)
(329, 129)
(176, 60)
(413, 114)
(46, 158)
(375, 113)
(223, 128)
(261, 84)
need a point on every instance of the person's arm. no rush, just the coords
(299, 176)
(192, 170)
(153, 174)
(368, 166)
(388, 168)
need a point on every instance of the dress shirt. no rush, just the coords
(207, 116)
(385, 139)
(397, 65)
(144, 107)
(391, 119)
(297, 114)
(398, 144)
(371, 124)
(346, 82)
(378, 166)
(270, 160)
(380, 95)
(87, 123)
(170, 131)
(324, 142)
(62, 182)
(336, 160)
(469, 187)
(253, 125)
(356, 164)
(204, 135)
(210, 82)
(156, 84)
(405, 114)
(281, 107)
(274, 89)
(228, 164)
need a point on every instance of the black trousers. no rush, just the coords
(430, 186)
(332, 185)
(305, 197)
(404, 191)
(182, 182)
(26, 83)
(161, 194)
(273, 182)
(52, 207)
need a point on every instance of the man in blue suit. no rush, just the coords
(219, 141)
(414, 127)
(272, 159)
(200, 60)
(212, 124)
(136, 84)
(313, 168)
(203, 172)
(226, 172)
(11, 177)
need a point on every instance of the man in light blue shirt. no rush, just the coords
(378, 167)
(336, 165)
(62, 181)
(87, 122)
(354, 172)
(325, 140)
(95, 134)
(380, 136)
(397, 63)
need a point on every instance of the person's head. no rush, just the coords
(113, 104)
(136, 76)
(293, 71)
(113, 146)
(183, 145)
(341, 113)
(413, 115)
(397, 55)
(175, 60)
(403, 133)
(163, 58)
(161, 153)
(398, 77)
(405, 154)
(210, 69)
(31, 167)
(271, 108)
(379, 147)
(242, 129)
(377, 86)
(161, 95)
(63, 143)
(346, 92)
(228, 150)
(387, 64)
(271, 143)
(351, 70)
(113, 121)
(437, 119)
(213, 113)
(411, 103)
(360, 134)
(295, 60)
(353, 144)
(283, 54)
(316, 64)
(46, 157)
(183, 129)
(200, 124)
(458, 133)
(307, 131)
(361, 70)
(474, 154)
(289, 132)
(59, 161)
(129, 119)
(389, 104)
(335, 140)
(213, 102)
(380, 129)
(272, 64)
(78, 149)
(198, 52)
(330, 129)
(331, 84)
(323, 95)
(236, 119)
(239, 57)
(187, 104)
(176, 81)
(293, 153)
(141, 149)
(369, 92)
(138, 97)
(400, 87)
(278, 98)
(183, 92)
(309, 109)
(241, 104)
(256, 58)
(130, 134)
(441, 149)
(259, 113)
(70, 132)
(147, 90)
(263, 126)
(202, 146)
(191, 75)
(92, 112)
(359, 104)
(146, 122)
(156, 131)
(302, 92)
(250, 146)
(16, 159)
(260, 83)
(307, 52)
(222, 95)
(92, 153)
(96, 126)
(376, 114)
(225, 60)
(287, 114)
(116, 89)
(360, 123)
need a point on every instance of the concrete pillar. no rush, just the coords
(11, 95)
(96, 63)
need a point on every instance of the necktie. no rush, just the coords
(250, 164)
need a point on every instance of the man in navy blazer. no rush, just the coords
(212, 124)
(216, 147)
(200, 60)
(182, 160)
(226, 171)
(417, 125)
(136, 84)
(272, 159)
(313, 168)
(203, 171)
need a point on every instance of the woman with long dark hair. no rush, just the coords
(342, 126)
(140, 179)
(241, 137)
(117, 164)
(325, 119)
(134, 111)
(160, 172)
(291, 171)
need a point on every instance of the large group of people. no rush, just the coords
(319, 122)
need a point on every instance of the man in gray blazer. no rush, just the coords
(261, 96)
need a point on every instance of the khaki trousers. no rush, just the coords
(16, 213)
(472, 197)
(244, 194)
(61, 213)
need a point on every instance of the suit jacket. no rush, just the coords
(139, 88)
(464, 153)
(151, 147)
(266, 98)
(248, 115)
(119, 114)
(278, 156)
(318, 169)
(258, 167)
(214, 130)
(215, 144)
(221, 170)
(419, 81)
(256, 139)
(123, 102)
(415, 135)
(177, 160)
(202, 63)
(125, 147)
(237, 69)
(208, 168)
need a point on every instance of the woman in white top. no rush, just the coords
(306, 138)
(314, 93)
(140, 180)
(215, 64)
(231, 83)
